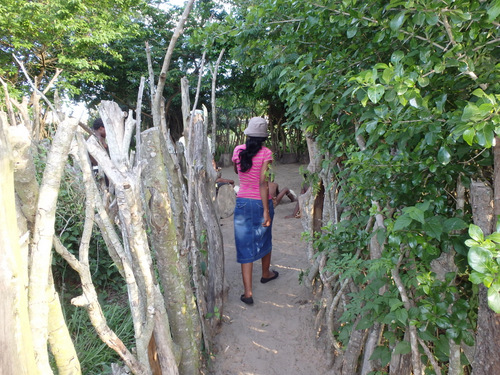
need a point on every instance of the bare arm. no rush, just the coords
(264, 192)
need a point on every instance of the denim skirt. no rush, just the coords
(253, 241)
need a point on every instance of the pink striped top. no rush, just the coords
(249, 180)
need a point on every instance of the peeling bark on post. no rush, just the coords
(17, 355)
(309, 202)
(353, 351)
(372, 341)
(214, 108)
(172, 263)
(25, 177)
(201, 216)
(27, 191)
(158, 92)
(127, 183)
(486, 359)
(401, 363)
(59, 337)
(89, 298)
(42, 240)
(204, 185)
(166, 353)
(481, 196)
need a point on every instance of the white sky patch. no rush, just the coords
(170, 3)
(178, 2)
(77, 110)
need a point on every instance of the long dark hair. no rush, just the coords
(254, 144)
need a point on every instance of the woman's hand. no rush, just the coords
(267, 219)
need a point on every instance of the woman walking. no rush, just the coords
(254, 211)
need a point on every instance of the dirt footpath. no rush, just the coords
(275, 335)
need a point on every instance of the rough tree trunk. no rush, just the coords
(65, 356)
(201, 208)
(25, 176)
(172, 262)
(41, 246)
(126, 181)
(27, 192)
(311, 206)
(376, 330)
(17, 355)
(214, 108)
(158, 93)
(89, 298)
(353, 351)
(204, 185)
(401, 363)
(486, 359)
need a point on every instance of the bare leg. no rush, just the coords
(266, 263)
(296, 212)
(280, 196)
(246, 272)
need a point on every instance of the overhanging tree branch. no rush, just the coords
(54, 110)
(166, 62)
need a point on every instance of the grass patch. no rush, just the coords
(94, 355)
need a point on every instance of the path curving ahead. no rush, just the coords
(276, 334)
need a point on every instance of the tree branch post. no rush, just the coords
(166, 63)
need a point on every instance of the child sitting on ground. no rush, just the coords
(278, 195)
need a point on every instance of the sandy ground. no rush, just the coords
(276, 334)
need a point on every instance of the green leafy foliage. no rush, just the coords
(405, 95)
(403, 99)
(484, 259)
(69, 35)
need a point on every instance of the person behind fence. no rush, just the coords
(254, 211)
(219, 181)
(297, 214)
(100, 134)
(277, 194)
